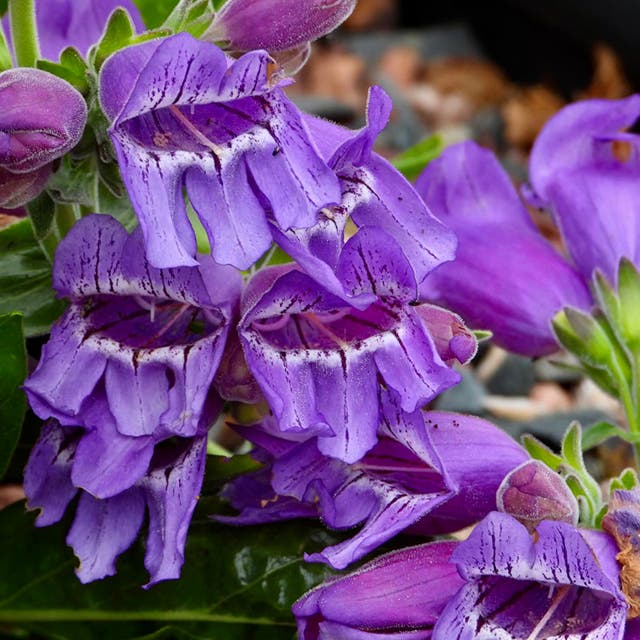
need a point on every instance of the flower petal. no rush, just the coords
(102, 530)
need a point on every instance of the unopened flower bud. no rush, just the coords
(41, 118)
(533, 492)
(277, 25)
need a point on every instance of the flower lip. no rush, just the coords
(142, 322)
(321, 330)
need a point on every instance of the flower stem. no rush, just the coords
(22, 17)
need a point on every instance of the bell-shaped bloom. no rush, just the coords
(560, 584)
(374, 196)
(584, 169)
(533, 492)
(184, 116)
(148, 340)
(398, 596)
(32, 138)
(320, 362)
(276, 25)
(423, 471)
(165, 484)
(505, 277)
(75, 23)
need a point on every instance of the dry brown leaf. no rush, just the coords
(526, 112)
(609, 80)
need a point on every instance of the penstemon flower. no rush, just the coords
(561, 584)
(147, 340)
(374, 196)
(185, 115)
(506, 277)
(320, 362)
(117, 484)
(422, 472)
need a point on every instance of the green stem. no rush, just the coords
(22, 17)
(66, 216)
(5, 54)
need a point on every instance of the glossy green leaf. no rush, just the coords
(25, 279)
(13, 370)
(233, 580)
(412, 161)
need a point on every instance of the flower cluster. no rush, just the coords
(280, 262)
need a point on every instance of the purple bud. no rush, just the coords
(533, 492)
(277, 25)
(16, 189)
(41, 118)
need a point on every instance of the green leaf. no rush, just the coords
(413, 160)
(25, 279)
(13, 370)
(601, 431)
(481, 335)
(629, 293)
(233, 579)
(627, 480)
(539, 451)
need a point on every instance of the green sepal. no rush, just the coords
(482, 335)
(627, 480)
(120, 33)
(539, 451)
(629, 295)
(192, 16)
(13, 370)
(72, 68)
(413, 160)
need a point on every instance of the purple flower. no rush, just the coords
(320, 362)
(562, 583)
(75, 23)
(164, 482)
(32, 138)
(506, 277)
(277, 25)
(423, 472)
(186, 116)
(375, 196)
(398, 596)
(147, 340)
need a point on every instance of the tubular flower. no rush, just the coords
(561, 584)
(147, 340)
(67, 460)
(184, 115)
(397, 596)
(421, 472)
(505, 277)
(31, 139)
(583, 169)
(298, 336)
(374, 196)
